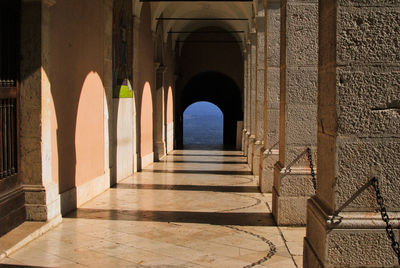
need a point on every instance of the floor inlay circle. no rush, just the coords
(272, 247)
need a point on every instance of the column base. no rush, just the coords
(266, 176)
(244, 142)
(146, 160)
(355, 239)
(257, 151)
(250, 151)
(77, 196)
(42, 202)
(292, 187)
(159, 150)
(170, 137)
(247, 140)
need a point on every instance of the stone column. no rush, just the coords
(271, 123)
(248, 84)
(358, 135)
(41, 192)
(259, 134)
(298, 110)
(245, 104)
(159, 115)
(253, 95)
(136, 88)
(108, 90)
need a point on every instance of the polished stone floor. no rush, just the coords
(194, 209)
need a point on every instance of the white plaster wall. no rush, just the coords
(124, 139)
(170, 137)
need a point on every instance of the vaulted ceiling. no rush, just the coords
(183, 17)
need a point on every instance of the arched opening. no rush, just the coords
(146, 126)
(89, 132)
(169, 129)
(221, 90)
(203, 124)
(210, 69)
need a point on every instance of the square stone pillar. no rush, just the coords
(358, 135)
(298, 110)
(159, 115)
(136, 88)
(271, 95)
(245, 104)
(41, 192)
(253, 96)
(259, 135)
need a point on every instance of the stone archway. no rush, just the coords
(146, 126)
(219, 89)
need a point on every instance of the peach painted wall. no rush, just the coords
(89, 134)
(77, 59)
(146, 122)
(170, 103)
(146, 81)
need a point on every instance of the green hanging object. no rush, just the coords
(124, 90)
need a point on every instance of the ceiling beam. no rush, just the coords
(205, 32)
(196, 0)
(204, 19)
(207, 41)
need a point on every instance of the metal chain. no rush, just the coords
(385, 218)
(314, 180)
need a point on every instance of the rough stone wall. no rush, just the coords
(298, 109)
(358, 133)
(271, 98)
(42, 200)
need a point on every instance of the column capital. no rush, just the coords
(260, 21)
(136, 22)
(252, 38)
(47, 3)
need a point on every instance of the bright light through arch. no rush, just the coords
(202, 125)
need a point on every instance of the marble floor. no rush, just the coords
(194, 209)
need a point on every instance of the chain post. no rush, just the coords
(385, 218)
(309, 156)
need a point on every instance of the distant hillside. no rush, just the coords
(202, 125)
(204, 108)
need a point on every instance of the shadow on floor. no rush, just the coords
(211, 172)
(22, 265)
(208, 155)
(217, 188)
(215, 218)
(208, 162)
(209, 147)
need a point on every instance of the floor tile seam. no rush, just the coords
(239, 247)
(207, 253)
(118, 257)
(55, 255)
(271, 245)
(284, 239)
(173, 257)
(13, 259)
(33, 235)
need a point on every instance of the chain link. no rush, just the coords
(385, 218)
(309, 156)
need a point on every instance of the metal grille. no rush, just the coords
(9, 77)
(8, 142)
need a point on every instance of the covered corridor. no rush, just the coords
(193, 209)
(92, 100)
